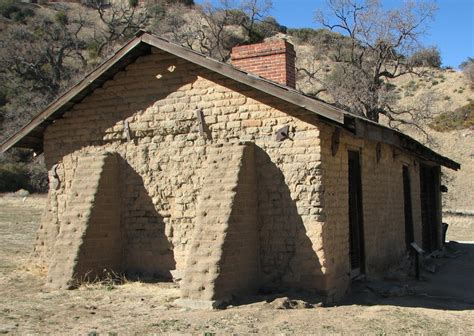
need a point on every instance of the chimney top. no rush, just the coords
(273, 60)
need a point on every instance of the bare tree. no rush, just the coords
(118, 22)
(37, 61)
(255, 11)
(38, 54)
(214, 29)
(376, 50)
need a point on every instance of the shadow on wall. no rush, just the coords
(148, 253)
(130, 103)
(124, 234)
(287, 255)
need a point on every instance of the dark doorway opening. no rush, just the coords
(430, 206)
(356, 227)
(409, 231)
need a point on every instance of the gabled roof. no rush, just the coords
(31, 135)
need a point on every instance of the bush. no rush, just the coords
(460, 118)
(93, 49)
(156, 11)
(303, 34)
(319, 37)
(37, 178)
(467, 68)
(268, 27)
(13, 177)
(3, 97)
(164, 3)
(12, 10)
(428, 57)
(62, 18)
(18, 172)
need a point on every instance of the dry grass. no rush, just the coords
(143, 308)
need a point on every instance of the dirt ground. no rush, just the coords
(442, 303)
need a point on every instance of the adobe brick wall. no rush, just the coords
(383, 207)
(274, 60)
(158, 95)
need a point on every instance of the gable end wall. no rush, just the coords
(162, 166)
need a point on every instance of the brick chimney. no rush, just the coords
(274, 60)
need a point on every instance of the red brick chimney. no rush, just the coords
(274, 60)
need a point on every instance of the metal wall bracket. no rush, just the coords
(378, 152)
(200, 118)
(283, 133)
(127, 130)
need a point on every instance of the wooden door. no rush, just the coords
(356, 227)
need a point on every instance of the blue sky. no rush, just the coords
(452, 30)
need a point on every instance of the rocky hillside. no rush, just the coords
(450, 91)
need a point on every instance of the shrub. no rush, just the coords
(460, 118)
(318, 37)
(302, 34)
(61, 18)
(7, 7)
(430, 57)
(150, 3)
(467, 68)
(14, 11)
(156, 11)
(268, 27)
(133, 3)
(12, 178)
(3, 97)
(93, 49)
(37, 178)
(18, 172)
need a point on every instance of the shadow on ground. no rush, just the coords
(450, 287)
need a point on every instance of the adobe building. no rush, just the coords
(166, 164)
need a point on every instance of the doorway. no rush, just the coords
(430, 206)
(409, 231)
(356, 227)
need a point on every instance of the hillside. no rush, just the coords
(445, 89)
(450, 90)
